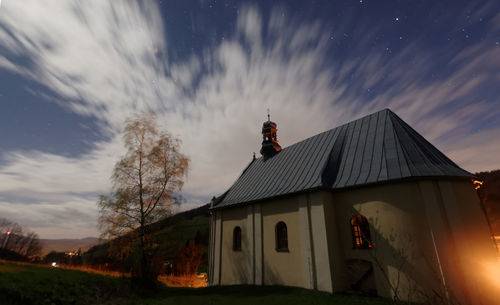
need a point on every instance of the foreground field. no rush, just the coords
(29, 284)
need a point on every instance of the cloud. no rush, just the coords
(477, 151)
(109, 60)
(50, 173)
(72, 220)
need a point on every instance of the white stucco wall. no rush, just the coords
(418, 230)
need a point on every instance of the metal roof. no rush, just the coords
(377, 148)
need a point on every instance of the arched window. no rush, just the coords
(237, 239)
(360, 233)
(281, 237)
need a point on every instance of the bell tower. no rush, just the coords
(270, 144)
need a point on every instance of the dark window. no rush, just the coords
(281, 237)
(360, 233)
(237, 239)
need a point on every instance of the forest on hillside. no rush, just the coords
(181, 242)
(490, 195)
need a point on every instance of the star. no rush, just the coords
(397, 18)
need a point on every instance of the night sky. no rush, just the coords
(71, 73)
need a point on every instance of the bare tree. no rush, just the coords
(190, 258)
(145, 182)
(13, 238)
(33, 247)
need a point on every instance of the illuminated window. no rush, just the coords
(360, 233)
(237, 239)
(281, 237)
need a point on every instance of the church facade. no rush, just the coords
(369, 206)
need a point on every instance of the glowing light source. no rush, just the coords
(477, 184)
(54, 264)
(8, 232)
(492, 272)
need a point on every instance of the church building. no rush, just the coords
(369, 206)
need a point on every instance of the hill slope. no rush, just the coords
(172, 233)
(66, 245)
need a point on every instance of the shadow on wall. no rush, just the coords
(396, 266)
(403, 270)
(272, 276)
(243, 275)
(360, 276)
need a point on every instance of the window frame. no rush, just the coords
(360, 230)
(237, 239)
(281, 237)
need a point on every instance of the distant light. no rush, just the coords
(397, 18)
(54, 264)
(8, 232)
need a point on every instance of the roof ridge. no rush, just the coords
(426, 148)
(376, 148)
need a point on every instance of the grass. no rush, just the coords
(168, 280)
(31, 284)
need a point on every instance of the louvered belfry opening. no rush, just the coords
(270, 145)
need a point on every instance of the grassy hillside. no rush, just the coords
(172, 233)
(29, 284)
